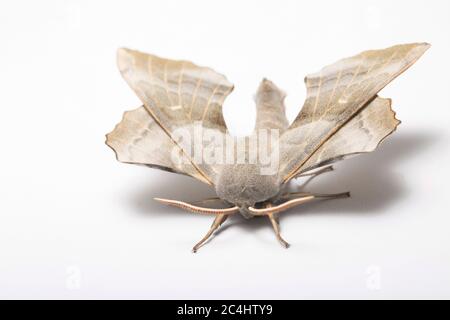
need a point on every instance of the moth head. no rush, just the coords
(244, 185)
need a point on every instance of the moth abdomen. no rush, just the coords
(270, 109)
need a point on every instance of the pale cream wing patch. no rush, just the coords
(363, 133)
(335, 95)
(138, 139)
(178, 94)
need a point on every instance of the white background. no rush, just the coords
(74, 223)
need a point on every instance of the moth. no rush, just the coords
(342, 116)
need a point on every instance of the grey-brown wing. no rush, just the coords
(180, 96)
(138, 139)
(270, 109)
(335, 95)
(363, 133)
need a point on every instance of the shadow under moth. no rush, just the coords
(180, 128)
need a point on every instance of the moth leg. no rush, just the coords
(315, 173)
(305, 197)
(332, 195)
(220, 218)
(312, 175)
(276, 228)
(319, 195)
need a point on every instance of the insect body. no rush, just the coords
(342, 116)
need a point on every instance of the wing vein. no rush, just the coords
(209, 101)
(165, 82)
(180, 80)
(152, 84)
(316, 102)
(293, 172)
(194, 96)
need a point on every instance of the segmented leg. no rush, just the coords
(276, 228)
(319, 195)
(312, 175)
(315, 173)
(220, 218)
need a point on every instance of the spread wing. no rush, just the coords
(335, 96)
(138, 139)
(363, 133)
(180, 97)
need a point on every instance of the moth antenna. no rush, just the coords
(197, 209)
(295, 202)
(220, 218)
(212, 199)
(281, 207)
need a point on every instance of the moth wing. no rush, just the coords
(363, 133)
(335, 95)
(138, 139)
(179, 95)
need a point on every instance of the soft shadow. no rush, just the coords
(374, 180)
(171, 186)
